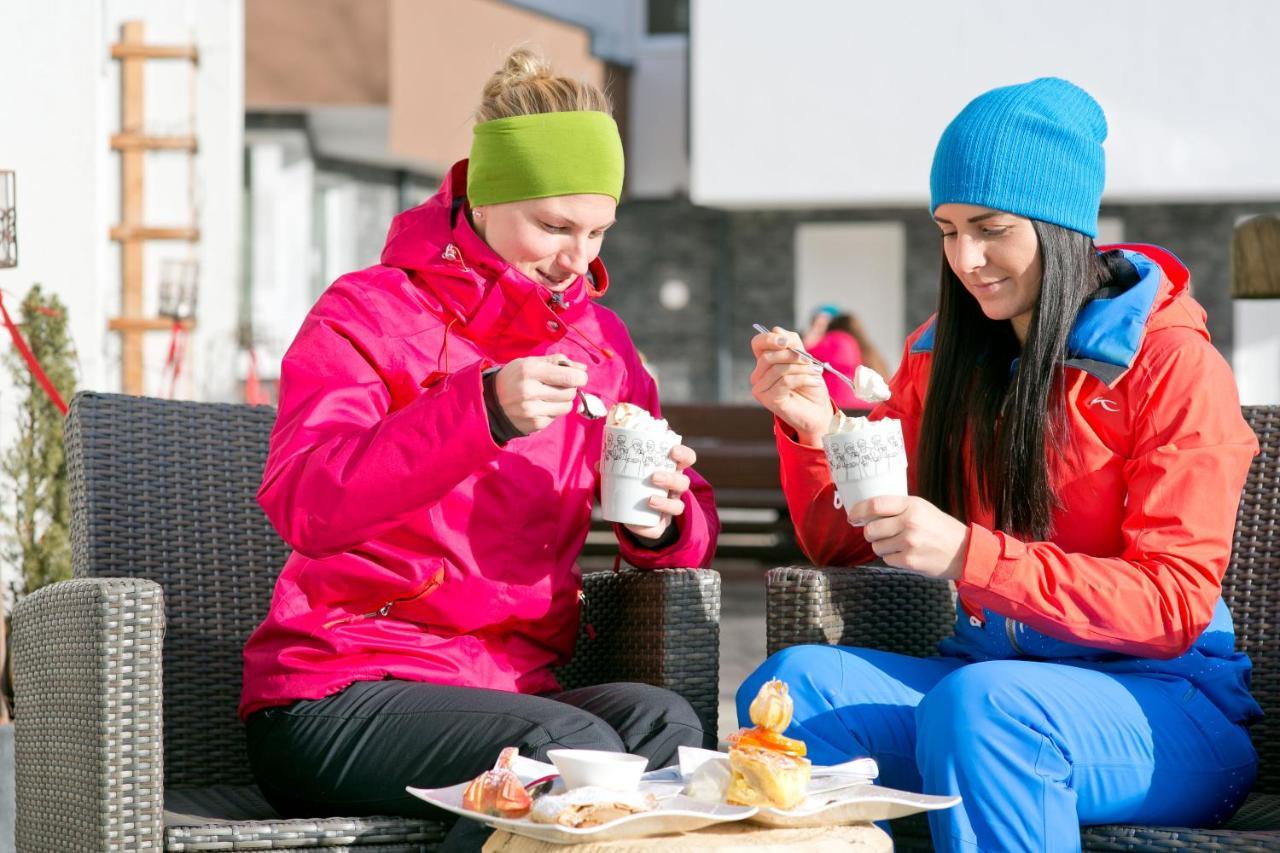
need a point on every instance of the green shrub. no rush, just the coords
(34, 466)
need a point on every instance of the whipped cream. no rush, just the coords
(709, 782)
(631, 416)
(869, 385)
(840, 422)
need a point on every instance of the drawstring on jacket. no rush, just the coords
(556, 302)
(600, 348)
(442, 357)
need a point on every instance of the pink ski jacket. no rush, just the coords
(421, 549)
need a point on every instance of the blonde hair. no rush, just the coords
(526, 85)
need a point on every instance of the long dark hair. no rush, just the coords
(1009, 420)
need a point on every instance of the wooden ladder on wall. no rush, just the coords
(132, 232)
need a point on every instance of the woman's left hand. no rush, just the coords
(911, 533)
(676, 483)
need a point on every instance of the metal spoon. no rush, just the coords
(590, 406)
(804, 355)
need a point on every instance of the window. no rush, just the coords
(668, 16)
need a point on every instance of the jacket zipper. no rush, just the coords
(1011, 629)
(385, 610)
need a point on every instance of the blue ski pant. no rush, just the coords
(1035, 749)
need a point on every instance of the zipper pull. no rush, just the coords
(385, 609)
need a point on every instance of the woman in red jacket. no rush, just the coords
(1076, 455)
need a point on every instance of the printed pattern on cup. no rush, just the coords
(628, 453)
(859, 456)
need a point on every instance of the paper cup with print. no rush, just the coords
(627, 465)
(867, 461)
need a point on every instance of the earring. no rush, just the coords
(477, 213)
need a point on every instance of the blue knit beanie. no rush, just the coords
(1034, 149)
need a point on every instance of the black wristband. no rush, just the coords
(500, 426)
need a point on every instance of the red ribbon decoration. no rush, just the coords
(253, 393)
(30, 358)
(177, 348)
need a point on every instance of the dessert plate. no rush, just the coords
(676, 813)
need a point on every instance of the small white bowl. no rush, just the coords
(617, 771)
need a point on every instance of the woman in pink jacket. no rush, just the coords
(433, 473)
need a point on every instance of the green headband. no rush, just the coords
(545, 154)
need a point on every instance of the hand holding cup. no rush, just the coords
(672, 504)
(641, 471)
(911, 533)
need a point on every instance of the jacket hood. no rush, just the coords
(1110, 328)
(436, 246)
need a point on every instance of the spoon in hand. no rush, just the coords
(590, 406)
(812, 360)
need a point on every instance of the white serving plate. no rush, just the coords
(855, 804)
(676, 813)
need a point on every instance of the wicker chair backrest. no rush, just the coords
(1252, 587)
(166, 491)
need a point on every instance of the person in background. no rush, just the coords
(818, 323)
(1077, 454)
(845, 346)
(431, 470)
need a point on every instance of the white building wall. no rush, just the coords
(60, 108)
(51, 136)
(1256, 360)
(284, 261)
(828, 102)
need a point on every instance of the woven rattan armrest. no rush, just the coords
(657, 626)
(873, 606)
(88, 724)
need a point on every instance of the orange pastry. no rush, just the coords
(498, 792)
(762, 777)
(767, 768)
(765, 739)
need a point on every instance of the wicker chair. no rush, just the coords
(127, 678)
(884, 608)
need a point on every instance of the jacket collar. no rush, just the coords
(1109, 329)
(481, 296)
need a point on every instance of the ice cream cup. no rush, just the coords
(627, 466)
(867, 462)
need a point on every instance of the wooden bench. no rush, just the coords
(737, 456)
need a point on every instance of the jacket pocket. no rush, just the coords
(389, 607)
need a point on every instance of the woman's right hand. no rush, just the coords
(790, 387)
(535, 390)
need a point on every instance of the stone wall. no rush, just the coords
(740, 266)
